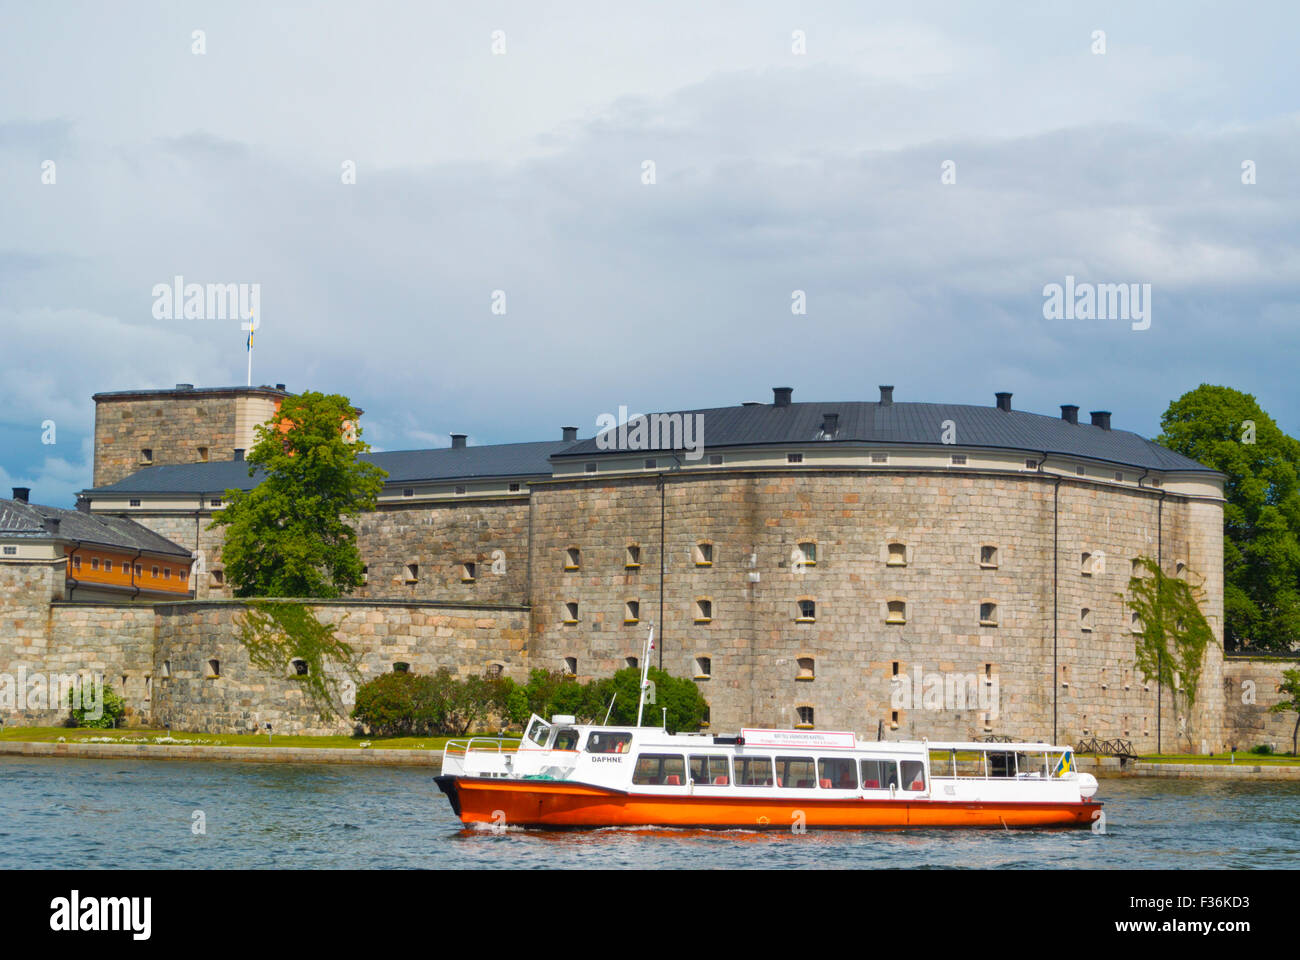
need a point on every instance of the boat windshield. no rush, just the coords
(538, 731)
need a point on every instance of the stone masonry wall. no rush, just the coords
(1250, 688)
(239, 697)
(754, 641)
(172, 426)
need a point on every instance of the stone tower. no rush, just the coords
(140, 428)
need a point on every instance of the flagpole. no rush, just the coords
(645, 672)
(250, 328)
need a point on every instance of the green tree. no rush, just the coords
(1171, 645)
(1291, 689)
(1228, 430)
(113, 709)
(290, 535)
(686, 705)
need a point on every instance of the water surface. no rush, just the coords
(115, 814)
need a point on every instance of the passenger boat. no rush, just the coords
(568, 774)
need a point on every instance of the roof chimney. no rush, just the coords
(1101, 418)
(51, 525)
(886, 395)
(83, 504)
(1070, 412)
(22, 493)
(184, 386)
(781, 396)
(458, 441)
(570, 434)
(1004, 401)
(239, 453)
(830, 424)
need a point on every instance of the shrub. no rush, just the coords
(1263, 749)
(114, 708)
(401, 704)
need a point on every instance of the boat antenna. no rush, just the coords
(645, 673)
(610, 710)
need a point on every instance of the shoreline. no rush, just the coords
(1101, 767)
(395, 756)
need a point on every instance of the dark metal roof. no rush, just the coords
(263, 390)
(27, 521)
(403, 466)
(921, 423)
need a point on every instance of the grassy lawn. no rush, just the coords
(142, 735)
(1250, 759)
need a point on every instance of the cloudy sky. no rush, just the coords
(524, 171)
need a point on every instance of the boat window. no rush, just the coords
(795, 772)
(1031, 765)
(566, 740)
(941, 763)
(913, 775)
(879, 774)
(970, 763)
(710, 771)
(659, 769)
(754, 771)
(1001, 764)
(609, 742)
(837, 773)
(538, 731)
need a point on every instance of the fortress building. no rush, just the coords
(937, 570)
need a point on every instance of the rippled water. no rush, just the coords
(118, 814)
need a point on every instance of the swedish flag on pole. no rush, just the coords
(250, 327)
(1065, 765)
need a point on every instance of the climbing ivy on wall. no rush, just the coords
(1174, 633)
(276, 633)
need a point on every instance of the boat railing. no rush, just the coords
(462, 748)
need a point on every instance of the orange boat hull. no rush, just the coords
(558, 804)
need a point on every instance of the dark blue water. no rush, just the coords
(139, 814)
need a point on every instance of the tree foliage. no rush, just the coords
(289, 536)
(553, 692)
(1227, 430)
(1171, 645)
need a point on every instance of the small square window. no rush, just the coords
(203, 454)
(704, 554)
(1085, 620)
(108, 566)
(412, 573)
(183, 574)
(988, 556)
(651, 463)
(153, 572)
(897, 556)
(988, 614)
(895, 612)
(807, 610)
(703, 668)
(11, 551)
(94, 563)
(880, 458)
(468, 571)
(632, 611)
(146, 455)
(218, 577)
(215, 502)
(571, 666)
(76, 561)
(806, 553)
(408, 491)
(571, 611)
(807, 669)
(514, 488)
(1081, 471)
(794, 458)
(167, 573)
(715, 459)
(133, 503)
(591, 467)
(1119, 476)
(1031, 464)
(703, 610)
(460, 491)
(633, 559)
(805, 717)
(959, 459)
(572, 558)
